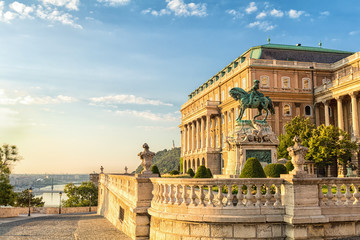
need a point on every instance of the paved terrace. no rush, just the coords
(66, 226)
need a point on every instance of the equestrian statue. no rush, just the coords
(252, 99)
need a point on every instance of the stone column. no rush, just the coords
(277, 118)
(190, 137)
(296, 81)
(355, 118)
(207, 131)
(340, 113)
(193, 136)
(275, 79)
(327, 117)
(317, 114)
(297, 109)
(186, 138)
(202, 134)
(214, 132)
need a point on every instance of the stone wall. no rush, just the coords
(15, 211)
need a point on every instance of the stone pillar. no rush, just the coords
(202, 132)
(277, 118)
(207, 131)
(213, 131)
(226, 123)
(340, 113)
(296, 81)
(189, 137)
(275, 79)
(193, 136)
(355, 118)
(297, 109)
(327, 116)
(317, 114)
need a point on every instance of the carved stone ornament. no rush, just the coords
(297, 154)
(146, 157)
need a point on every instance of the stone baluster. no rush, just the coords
(356, 194)
(338, 195)
(277, 196)
(229, 196)
(258, 195)
(192, 195)
(171, 194)
(178, 194)
(184, 196)
(248, 196)
(321, 195)
(155, 192)
(201, 196)
(161, 193)
(268, 195)
(166, 192)
(210, 197)
(220, 195)
(348, 195)
(240, 196)
(329, 195)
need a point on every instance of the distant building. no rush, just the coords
(295, 77)
(94, 177)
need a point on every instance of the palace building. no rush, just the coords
(318, 83)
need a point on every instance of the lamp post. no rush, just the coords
(30, 195)
(60, 194)
(90, 203)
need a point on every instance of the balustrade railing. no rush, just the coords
(339, 192)
(123, 185)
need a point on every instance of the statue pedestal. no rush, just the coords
(250, 139)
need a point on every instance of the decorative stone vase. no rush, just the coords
(146, 157)
(297, 154)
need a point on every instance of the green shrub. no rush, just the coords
(155, 170)
(181, 164)
(174, 172)
(209, 173)
(274, 170)
(201, 172)
(252, 169)
(289, 166)
(190, 172)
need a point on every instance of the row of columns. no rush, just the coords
(340, 113)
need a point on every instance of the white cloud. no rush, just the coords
(21, 9)
(352, 33)
(69, 4)
(261, 15)
(265, 26)
(27, 100)
(128, 99)
(180, 8)
(295, 14)
(251, 8)
(234, 13)
(114, 3)
(53, 15)
(325, 13)
(8, 16)
(276, 13)
(169, 117)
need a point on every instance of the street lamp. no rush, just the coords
(30, 195)
(60, 194)
(90, 203)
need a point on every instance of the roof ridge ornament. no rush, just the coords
(268, 40)
(320, 44)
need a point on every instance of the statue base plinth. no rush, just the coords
(250, 139)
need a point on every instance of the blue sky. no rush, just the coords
(86, 83)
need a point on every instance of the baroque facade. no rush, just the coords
(321, 84)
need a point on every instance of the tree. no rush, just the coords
(8, 155)
(22, 199)
(81, 196)
(190, 172)
(289, 166)
(252, 169)
(201, 172)
(174, 172)
(155, 170)
(209, 173)
(299, 126)
(330, 145)
(274, 170)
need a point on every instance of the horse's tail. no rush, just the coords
(271, 106)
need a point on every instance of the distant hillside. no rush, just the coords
(165, 160)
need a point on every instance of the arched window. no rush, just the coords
(285, 82)
(217, 97)
(185, 166)
(198, 163)
(306, 83)
(264, 81)
(203, 162)
(216, 141)
(243, 84)
(229, 117)
(193, 164)
(236, 84)
(308, 110)
(236, 113)
(287, 110)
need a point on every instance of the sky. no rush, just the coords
(84, 84)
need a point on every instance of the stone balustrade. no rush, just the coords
(339, 192)
(123, 185)
(209, 199)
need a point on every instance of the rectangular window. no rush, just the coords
(264, 81)
(121, 214)
(285, 82)
(217, 97)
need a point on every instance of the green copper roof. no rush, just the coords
(300, 48)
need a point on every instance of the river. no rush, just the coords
(53, 199)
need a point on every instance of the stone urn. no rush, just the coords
(297, 154)
(146, 157)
